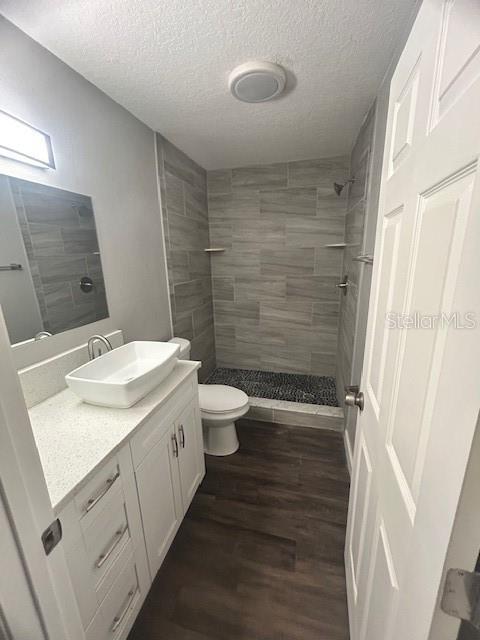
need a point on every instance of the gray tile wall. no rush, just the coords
(275, 301)
(183, 186)
(357, 203)
(58, 230)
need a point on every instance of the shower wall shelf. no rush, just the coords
(214, 250)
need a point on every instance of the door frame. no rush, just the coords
(464, 545)
(26, 496)
(374, 150)
(379, 112)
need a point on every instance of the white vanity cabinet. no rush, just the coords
(119, 526)
(169, 474)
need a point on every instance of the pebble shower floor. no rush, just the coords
(292, 387)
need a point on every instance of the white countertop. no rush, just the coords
(73, 438)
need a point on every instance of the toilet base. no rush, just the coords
(219, 440)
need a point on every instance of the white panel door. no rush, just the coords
(19, 617)
(422, 362)
(36, 596)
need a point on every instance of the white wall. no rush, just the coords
(103, 151)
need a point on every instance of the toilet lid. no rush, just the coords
(219, 398)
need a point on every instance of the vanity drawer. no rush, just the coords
(98, 543)
(105, 538)
(119, 608)
(97, 551)
(93, 495)
(157, 425)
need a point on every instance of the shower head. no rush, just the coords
(338, 186)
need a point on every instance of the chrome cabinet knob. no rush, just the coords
(354, 397)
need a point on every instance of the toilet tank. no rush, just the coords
(184, 348)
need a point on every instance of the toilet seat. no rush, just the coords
(220, 399)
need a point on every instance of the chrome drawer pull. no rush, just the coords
(91, 502)
(182, 436)
(103, 557)
(175, 445)
(117, 621)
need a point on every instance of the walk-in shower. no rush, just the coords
(291, 387)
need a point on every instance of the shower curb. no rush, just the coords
(298, 414)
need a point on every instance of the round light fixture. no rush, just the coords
(257, 81)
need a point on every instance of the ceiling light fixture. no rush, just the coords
(24, 143)
(257, 81)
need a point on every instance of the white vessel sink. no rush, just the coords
(121, 377)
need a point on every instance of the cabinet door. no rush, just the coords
(160, 499)
(191, 459)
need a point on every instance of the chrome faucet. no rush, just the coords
(42, 334)
(91, 343)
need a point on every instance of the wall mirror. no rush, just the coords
(50, 268)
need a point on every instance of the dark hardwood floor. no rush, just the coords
(259, 555)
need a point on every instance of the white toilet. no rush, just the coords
(220, 407)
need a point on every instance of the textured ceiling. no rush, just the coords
(168, 62)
